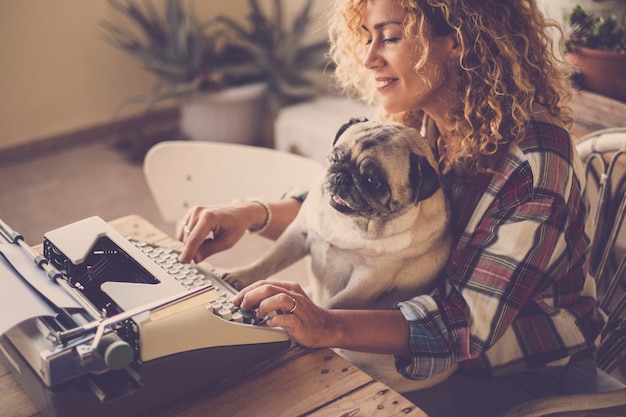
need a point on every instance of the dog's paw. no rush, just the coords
(238, 279)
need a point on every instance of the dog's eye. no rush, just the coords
(373, 182)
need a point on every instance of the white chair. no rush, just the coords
(181, 174)
(604, 155)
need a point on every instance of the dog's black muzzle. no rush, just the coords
(340, 185)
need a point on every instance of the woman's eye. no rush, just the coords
(394, 39)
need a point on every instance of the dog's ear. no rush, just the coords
(345, 127)
(423, 178)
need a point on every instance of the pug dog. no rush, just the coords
(375, 227)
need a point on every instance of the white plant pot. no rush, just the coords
(234, 115)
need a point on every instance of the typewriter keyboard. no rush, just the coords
(193, 276)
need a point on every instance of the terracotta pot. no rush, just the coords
(603, 72)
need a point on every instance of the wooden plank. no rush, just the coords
(283, 392)
(15, 402)
(373, 400)
(137, 228)
(594, 112)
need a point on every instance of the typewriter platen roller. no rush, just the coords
(150, 331)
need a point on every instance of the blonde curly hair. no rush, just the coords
(507, 67)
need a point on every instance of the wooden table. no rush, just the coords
(595, 112)
(299, 382)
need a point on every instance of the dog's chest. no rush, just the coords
(331, 265)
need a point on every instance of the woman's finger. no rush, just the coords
(279, 303)
(180, 233)
(254, 293)
(199, 226)
(188, 223)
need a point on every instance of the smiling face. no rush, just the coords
(392, 55)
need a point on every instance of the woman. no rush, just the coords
(517, 313)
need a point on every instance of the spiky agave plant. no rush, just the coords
(277, 50)
(185, 53)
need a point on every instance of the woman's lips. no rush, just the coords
(384, 82)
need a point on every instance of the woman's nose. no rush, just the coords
(372, 58)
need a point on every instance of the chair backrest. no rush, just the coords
(181, 174)
(601, 152)
(604, 155)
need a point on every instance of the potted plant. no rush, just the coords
(193, 63)
(232, 68)
(276, 50)
(596, 45)
(279, 49)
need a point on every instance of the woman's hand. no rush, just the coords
(208, 230)
(285, 305)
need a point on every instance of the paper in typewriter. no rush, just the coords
(18, 301)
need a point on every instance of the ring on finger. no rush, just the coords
(295, 305)
(186, 229)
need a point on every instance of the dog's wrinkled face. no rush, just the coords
(379, 169)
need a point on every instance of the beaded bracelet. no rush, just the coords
(268, 217)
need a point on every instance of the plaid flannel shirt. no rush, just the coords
(517, 294)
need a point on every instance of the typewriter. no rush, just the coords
(135, 330)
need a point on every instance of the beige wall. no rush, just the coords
(57, 75)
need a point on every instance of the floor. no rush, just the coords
(49, 191)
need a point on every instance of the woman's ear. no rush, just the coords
(453, 45)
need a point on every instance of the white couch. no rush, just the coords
(309, 128)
